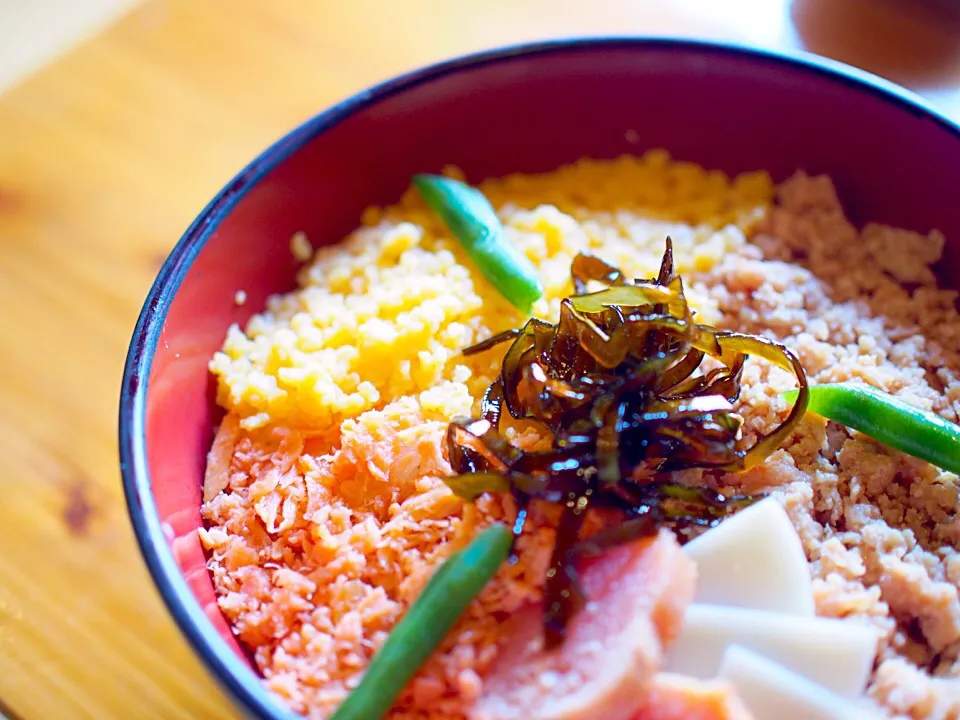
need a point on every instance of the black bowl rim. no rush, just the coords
(231, 672)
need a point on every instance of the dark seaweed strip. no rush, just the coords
(618, 384)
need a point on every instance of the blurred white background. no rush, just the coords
(33, 32)
(913, 42)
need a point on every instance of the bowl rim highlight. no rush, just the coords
(240, 682)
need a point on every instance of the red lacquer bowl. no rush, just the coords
(529, 109)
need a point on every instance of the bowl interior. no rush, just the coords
(720, 107)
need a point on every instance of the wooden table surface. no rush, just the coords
(107, 155)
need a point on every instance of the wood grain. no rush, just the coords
(105, 157)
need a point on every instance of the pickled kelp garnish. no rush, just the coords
(620, 384)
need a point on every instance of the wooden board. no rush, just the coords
(105, 157)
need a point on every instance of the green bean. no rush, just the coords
(889, 420)
(474, 222)
(448, 593)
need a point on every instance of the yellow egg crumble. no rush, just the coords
(385, 313)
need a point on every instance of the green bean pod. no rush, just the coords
(888, 420)
(474, 222)
(425, 624)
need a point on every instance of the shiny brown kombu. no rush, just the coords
(620, 386)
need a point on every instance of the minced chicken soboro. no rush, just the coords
(324, 502)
